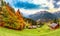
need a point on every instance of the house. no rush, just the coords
(54, 26)
(32, 27)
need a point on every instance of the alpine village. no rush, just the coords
(14, 20)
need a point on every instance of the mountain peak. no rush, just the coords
(42, 15)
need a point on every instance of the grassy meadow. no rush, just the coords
(44, 31)
(14, 19)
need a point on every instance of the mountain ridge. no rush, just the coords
(44, 14)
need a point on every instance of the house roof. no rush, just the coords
(53, 25)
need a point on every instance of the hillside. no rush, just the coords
(54, 33)
(12, 23)
(10, 19)
(27, 32)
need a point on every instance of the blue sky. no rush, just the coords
(32, 6)
(26, 5)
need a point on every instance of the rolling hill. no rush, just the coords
(28, 32)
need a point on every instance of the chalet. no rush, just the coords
(54, 26)
(32, 27)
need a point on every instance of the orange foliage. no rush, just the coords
(18, 15)
(20, 18)
(8, 9)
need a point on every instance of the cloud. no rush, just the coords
(56, 0)
(26, 5)
(36, 5)
(56, 3)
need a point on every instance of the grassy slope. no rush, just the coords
(28, 32)
(54, 33)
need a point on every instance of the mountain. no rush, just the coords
(43, 15)
(57, 14)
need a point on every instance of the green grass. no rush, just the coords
(52, 33)
(26, 32)
(29, 32)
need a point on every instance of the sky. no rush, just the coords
(28, 7)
